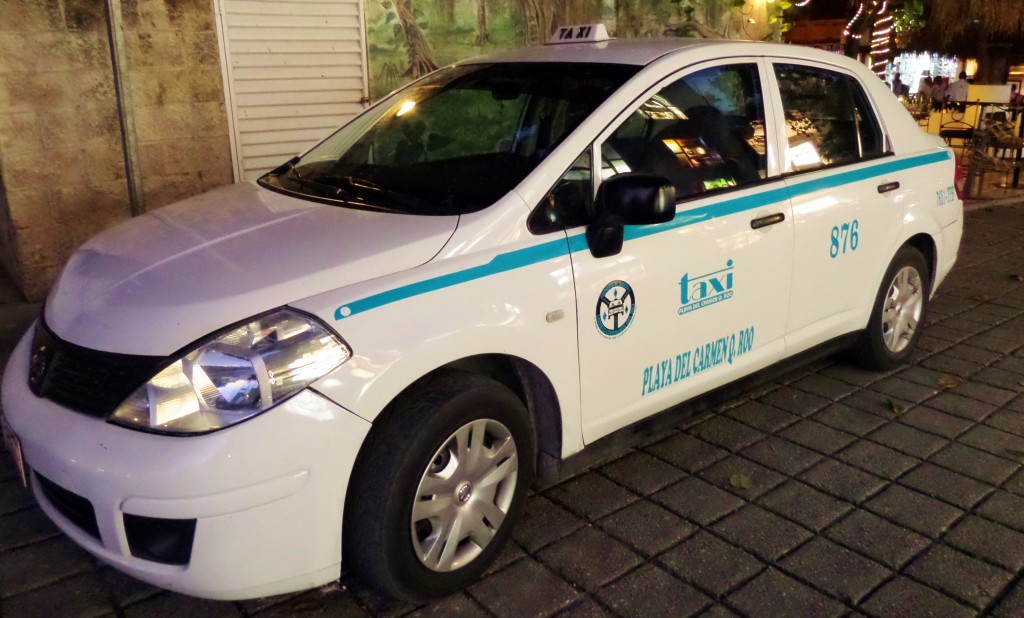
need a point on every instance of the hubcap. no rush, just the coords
(901, 309)
(464, 494)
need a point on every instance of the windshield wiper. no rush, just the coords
(363, 187)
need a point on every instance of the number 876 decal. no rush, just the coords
(845, 238)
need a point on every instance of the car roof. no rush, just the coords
(637, 52)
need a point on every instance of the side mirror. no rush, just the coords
(628, 199)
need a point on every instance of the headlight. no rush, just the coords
(235, 376)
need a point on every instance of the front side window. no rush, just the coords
(704, 133)
(454, 142)
(828, 119)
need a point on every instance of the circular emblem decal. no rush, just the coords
(615, 308)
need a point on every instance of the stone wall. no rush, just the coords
(62, 162)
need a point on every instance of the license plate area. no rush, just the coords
(13, 445)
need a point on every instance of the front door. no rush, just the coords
(696, 302)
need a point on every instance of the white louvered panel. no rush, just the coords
(296, 72)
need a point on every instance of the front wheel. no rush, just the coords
(438, 487)
(898, 315)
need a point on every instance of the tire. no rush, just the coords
(399, 542)
(897, 317)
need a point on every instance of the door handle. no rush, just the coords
(760, 222)
(887, 187)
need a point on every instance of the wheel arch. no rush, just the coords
(925, 244)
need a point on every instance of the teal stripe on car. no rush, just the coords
(557, 248)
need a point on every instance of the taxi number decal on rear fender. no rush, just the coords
(845, 238)
(945, 196)
(616, 307)
(701, 358)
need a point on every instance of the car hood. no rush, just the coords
(159, 282)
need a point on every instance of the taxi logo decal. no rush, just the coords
(616, 307)
(705, 290)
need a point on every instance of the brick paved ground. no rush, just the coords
(829, 491)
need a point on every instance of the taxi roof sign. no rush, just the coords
(586, 33)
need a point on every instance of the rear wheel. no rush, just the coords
(898, 315)
(437, 490)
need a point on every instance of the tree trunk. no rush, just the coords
(421, 56)
(448, 11)
(483, 35)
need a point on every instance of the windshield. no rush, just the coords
(453, 142)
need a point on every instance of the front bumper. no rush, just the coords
(266, 495)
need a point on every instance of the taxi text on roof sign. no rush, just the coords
(587, 33)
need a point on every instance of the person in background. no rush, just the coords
(957, 93)
(925, 89)
(939, 93)
(897, 85)
(1016, 98)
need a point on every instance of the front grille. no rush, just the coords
(85, 380)
(75, 508)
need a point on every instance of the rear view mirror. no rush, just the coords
(628, 199)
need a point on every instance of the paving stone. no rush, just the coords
(947, 332)
(647, 527)
(796, 401)
(697, 500)
(761, 532)
(961, 406)
(761, 479)
(905, 390)
(905, 597)
(710, 563)
(947, 363)
(124, 588)
(312, 601)
(990, 541)
(984, 392)
(81, 595)
(914, 510)
(879, 404)
(589, 558)
(805, 505)
(976, 464)
(1005, 508)
(958, 575)
(524, 589)
(921, 375)
(1017, 405)
(14, 497)
(650, 591)
(25, 526)
(170, 605)
(39, 564)
(686, 452)
(878, 538)
(851, 374)
(642, 473)
(849, 419)
(1009, 421)
(994, 441)
(762, 416)
(877, 459)
(510, 552)
(726, 433)
(946, 485)
(817, 436)
(1012, 605)
(591, 496)
(586, 607)
(782, 455)
(1000, 378)
(825, 386)
(458, 604)
(934, 421)
(843, 481)
(542, 522)
(905, 439)
(775, 594)
(356, 592)
(718, 611)
(835, 569)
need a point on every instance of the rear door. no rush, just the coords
(847, 210)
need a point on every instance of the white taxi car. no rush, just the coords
(367, 356)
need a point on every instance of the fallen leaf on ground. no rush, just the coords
(949, 381)
(741, 481)
(1017, 277)
(897, 407)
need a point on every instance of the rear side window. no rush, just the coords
(828, 119)
(703, 132)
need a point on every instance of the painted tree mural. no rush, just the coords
(409, 38)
